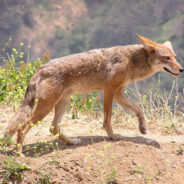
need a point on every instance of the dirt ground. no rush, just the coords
(155, 158)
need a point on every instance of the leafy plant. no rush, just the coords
(82, 103)
(112, 177)
(13, 169)
(180, 150)
(44, 179)
(15, 75)
(6, 142)
(138, 169)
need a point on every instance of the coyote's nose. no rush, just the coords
(181, 70)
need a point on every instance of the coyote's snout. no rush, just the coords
(110, 70)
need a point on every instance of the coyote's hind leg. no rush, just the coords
(60, 108)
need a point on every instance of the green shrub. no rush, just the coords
(13, 170)
(16, 73)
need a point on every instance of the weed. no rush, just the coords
(55, 159)
(6, 141)
(158, 173)
(147, 179)
(107, 172)
(45, 178)
(82, 103)
(171, 128)
(138, 169)
(13, 170)
(180, 150)
(144, 172)
(112, 176)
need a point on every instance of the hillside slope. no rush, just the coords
(35, 22)
(78, 25)
(154, 158)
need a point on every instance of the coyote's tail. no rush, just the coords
(24, 111)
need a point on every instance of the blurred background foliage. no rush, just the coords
(71, 26)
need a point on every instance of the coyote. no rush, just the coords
(107, 69)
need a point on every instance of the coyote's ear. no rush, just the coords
(149, 45)
(169, 45)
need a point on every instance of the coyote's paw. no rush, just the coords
(20, 155)
(53, 131)
(116, 136)
(142, 128)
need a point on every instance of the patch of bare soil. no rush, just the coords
(135, 159)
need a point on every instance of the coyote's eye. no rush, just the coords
(167, 58)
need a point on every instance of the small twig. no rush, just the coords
(171, 91)
(176, 97)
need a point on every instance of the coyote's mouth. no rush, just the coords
(167, 70)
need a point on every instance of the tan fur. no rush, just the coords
(110, 70)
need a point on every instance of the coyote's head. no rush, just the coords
(161, 57)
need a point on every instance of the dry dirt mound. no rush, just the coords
(133, 159)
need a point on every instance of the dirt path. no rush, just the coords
(154, 158)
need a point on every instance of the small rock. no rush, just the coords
(182, 161)
(148, 141)
(133, 162)
(173, 141)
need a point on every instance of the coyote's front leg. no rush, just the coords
(108, 98)
(125, 102)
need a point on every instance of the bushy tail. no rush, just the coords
(24, 111)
